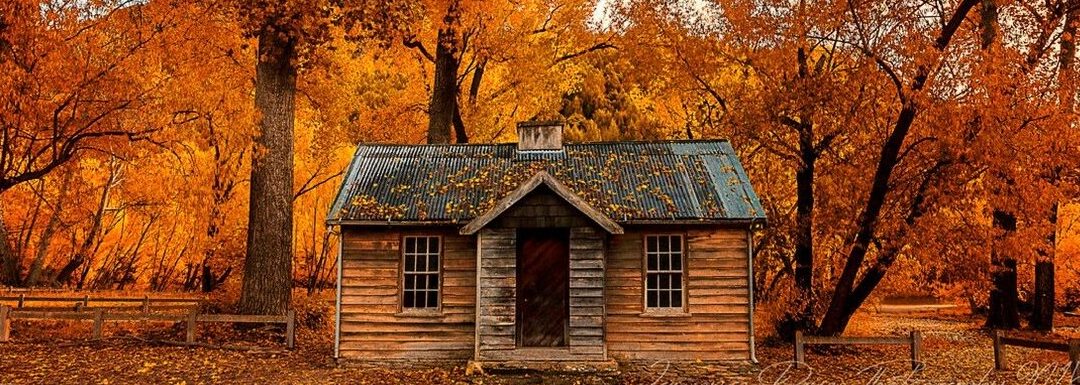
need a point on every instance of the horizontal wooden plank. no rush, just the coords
(383, 357)
(407, 345)
(739, 355)
(241, 318)
(679, 346)
(1024, 342)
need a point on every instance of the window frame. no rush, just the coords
(684, 289)
(401, 277)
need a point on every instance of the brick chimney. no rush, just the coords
(540, 135)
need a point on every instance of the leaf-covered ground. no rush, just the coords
(956, 351)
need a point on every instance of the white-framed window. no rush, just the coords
(664, 278)
(420, 272)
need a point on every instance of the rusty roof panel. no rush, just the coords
(627, 181)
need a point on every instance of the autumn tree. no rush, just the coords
(521, 45)
(287, 33)
(71, 82)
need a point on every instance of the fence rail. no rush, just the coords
(914, 340)
(1070, 346)
(101, 314)
(146, 301)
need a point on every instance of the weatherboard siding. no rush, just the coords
(372, 324)
(716, 324)
(606, 301)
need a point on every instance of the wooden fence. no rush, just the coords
(144, 303)
(146, 310)
(914, 340)
(1071, 346)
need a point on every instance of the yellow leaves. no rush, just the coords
(147, 366)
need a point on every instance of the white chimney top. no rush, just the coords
(540, 135)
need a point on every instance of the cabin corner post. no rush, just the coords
(750, 289)
(337, 303)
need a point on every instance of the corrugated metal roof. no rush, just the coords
(627, 181)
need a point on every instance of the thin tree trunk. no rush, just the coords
(9, 265)
(1042, 313)
(1004, 297)
(267, 283)
(42, 249)
(838, 315)
(442, 108)
(81, 254)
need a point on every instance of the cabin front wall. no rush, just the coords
(373, 325)
(607, 312)
(715, 323)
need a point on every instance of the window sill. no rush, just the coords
(419, 314)
(666, 314)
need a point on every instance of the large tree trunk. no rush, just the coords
(267, 284)
(443, 106)
(1004, 298)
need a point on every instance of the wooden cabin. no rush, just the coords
(545, 251)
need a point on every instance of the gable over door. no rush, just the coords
(543, 287)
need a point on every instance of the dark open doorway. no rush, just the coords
(543, 287)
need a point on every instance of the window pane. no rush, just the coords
(432, 299)
(410, 263)
(410, 282)
(676, 262)
(665, 299)
(652, 262)
(665, 261)
(433, 263)
(433, 245)
(651, 284)
(421, 245)
(421, 283)
(410, 245)
(676, 281)
(650, 298)
(653, 241)
(676, 244)
(665, 281)
(433, 281)
(409, 299)
(676, 298)
(664, 245)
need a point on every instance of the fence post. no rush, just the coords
(1074, 360)
(999, 352)
(86, 300)
(916, 351)
(99, 320)
(290, 329)
(800, 356)
(22, 299)
(190, 338)
(5, 323)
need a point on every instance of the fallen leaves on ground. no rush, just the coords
(956, 350)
